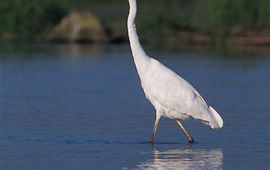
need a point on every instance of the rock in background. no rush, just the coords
(79, 27)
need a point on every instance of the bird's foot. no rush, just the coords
(190, 140)
(152, 140)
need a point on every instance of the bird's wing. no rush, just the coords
(171, 90)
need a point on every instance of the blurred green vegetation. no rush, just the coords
(224, 16)
(216, 18)
(30, 20)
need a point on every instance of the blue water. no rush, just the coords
(82, 107)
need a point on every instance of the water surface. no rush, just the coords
(82, 107)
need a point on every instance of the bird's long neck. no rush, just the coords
(140, 58)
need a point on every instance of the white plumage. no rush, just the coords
(171, 95)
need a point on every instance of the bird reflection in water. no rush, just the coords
(184, 158)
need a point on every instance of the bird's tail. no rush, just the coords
(215, 120)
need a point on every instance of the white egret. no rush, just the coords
(171, 95)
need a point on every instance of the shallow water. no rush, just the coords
(81, 107)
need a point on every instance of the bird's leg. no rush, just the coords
(154, 129)
(181, 125)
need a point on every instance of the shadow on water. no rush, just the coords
(184, 158)
(28, 52)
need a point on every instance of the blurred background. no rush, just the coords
(70, 96)
(171, 22)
